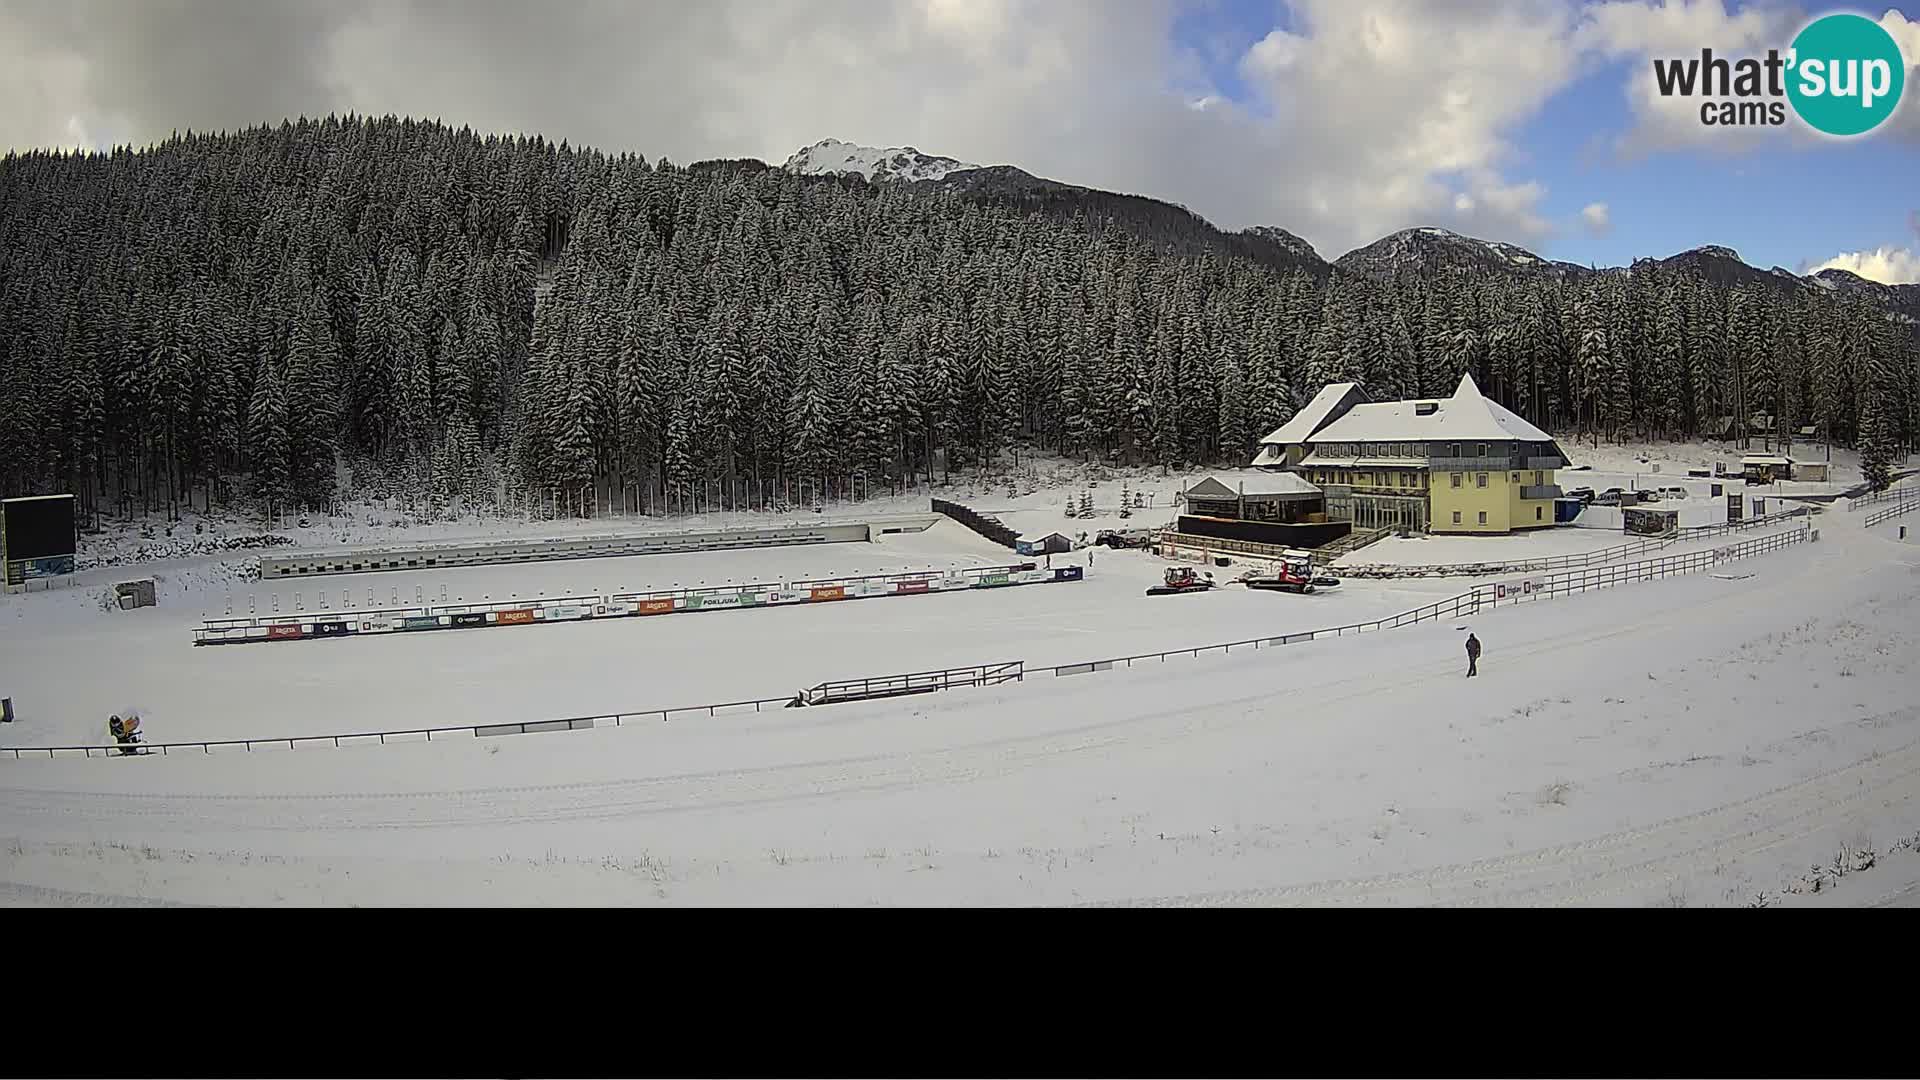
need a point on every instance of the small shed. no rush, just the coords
(1816, 471)
(134, 594)
(1766, 468)
(1043, 544)
(1649, 520)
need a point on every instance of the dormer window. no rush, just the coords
(1425, 408)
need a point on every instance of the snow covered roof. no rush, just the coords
(1270, 455)
(1265, 486)
(1465, 415)
(1764, 459)
(1301, 428)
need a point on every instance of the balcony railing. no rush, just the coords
(1473, 464)
(1544, 463)
(1540, 491)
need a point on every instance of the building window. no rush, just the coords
(1456, 517)
(1516, 478)
(1536, 478)
(1453, 450)
(1483, 517)
(1536, 512)
(1483, 450)
(1456, 479)
(1480, 480)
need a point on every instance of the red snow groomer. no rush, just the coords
(1182, 579)
(1294, 575)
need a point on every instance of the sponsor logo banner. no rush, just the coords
(987, 581)
(283, 632)
(910, 586)
(832, 592)
(470, 618)
(420, 622)
(655, 607)
(518, 615)
(20, 571)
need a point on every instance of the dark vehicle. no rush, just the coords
(1584, 494)
(1124, 538)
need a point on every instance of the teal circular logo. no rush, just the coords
(1845, 74)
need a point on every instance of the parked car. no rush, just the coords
(1584, 494)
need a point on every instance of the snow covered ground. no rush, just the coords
(1592, 763)
(60, 640)
(1695, 741)
(1519, 548)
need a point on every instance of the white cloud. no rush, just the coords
(1597, 217)
(1370, 117)
(1887, 265)
(1401, 113)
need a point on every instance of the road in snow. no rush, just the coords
(1695, 741)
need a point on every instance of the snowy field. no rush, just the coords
(60, 641)
(1689, 742)
(1594, 762)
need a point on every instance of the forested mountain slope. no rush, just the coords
(224, 317)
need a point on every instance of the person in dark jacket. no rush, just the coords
(1473, 655)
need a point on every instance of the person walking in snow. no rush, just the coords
(1473, 655)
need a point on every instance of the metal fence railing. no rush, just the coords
(432, 734)
(1485, 596)
(1578, 561)
(1890, 494)
(1885, 513)
(1490, 596)
(836, 691)
(1557, 562)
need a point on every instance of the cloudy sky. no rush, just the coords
(1530, 121)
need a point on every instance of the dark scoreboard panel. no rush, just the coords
(38, 528)
(38, 538)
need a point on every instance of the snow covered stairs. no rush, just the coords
(919, 682)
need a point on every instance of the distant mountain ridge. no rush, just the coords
(1419, 249)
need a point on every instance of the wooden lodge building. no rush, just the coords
(1279, 508)
(1460, 464)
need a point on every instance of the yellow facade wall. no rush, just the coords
(1470, 500)
(1530, 513)
(1500, 500)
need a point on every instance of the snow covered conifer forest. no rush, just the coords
(226, 318)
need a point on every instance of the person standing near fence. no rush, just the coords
(1473, 655)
